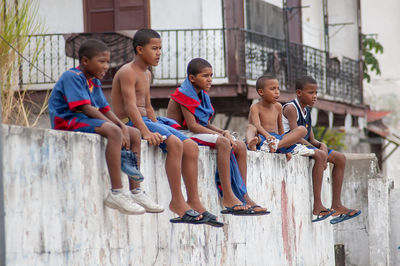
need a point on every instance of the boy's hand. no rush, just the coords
(126, 141)
(271, 143)
(153, 138)
(288, 156)
(228, 135)
(324, 148)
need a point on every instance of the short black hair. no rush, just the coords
(303, 81)
(91, 48)
(196, 65)
(261, 80)
(143, 36)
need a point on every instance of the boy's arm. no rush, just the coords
(280, 124)
(254, 117)
(291, 114)
(128, 91)
(126, 142)
(92, 112)
(149, 108)
(318, 144)
(194, 126)
(209, 129)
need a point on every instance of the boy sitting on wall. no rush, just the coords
(77, 103)
(191, 108)
(131, 102)
(265, 122)
(296, 114)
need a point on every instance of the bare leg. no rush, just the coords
(113, 151)
(223, 147)
(190, 174)
(241, 157)
(173, 165)
(292, 137)
(251, 137)
(339, 162)
(317, 175)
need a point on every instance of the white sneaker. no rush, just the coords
(142, 199)
(123, 203)
(302, 150)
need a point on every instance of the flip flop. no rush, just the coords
(188, 218)
(323, 217)
(259, 212)
(211, 219)
(345, 216)
(238, 212)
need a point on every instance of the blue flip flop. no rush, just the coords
(345, 216)
(323, 217)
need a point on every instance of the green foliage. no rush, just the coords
(18, 20)
(332, 138)
(370, 48)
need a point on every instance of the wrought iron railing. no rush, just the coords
(256, 54)
(338, 79)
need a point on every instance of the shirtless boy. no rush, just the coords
(297, 114)
(131, 103)
(193, 92)
(265, 120)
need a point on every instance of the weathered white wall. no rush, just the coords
(368, 239)
(61, 16)
(383, 91)
(343, 39)
(183, 14)
(55, 183)
(313, 24)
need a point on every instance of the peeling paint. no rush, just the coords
(55, 211)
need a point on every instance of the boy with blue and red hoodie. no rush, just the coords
(77, 103)
(191, 107)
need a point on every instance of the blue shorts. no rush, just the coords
(79, 124)
(279, 137)
(161, 127)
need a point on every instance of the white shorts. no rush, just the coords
(203, 139)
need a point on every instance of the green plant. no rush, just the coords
(332, 138)
(18, 20)
(370, 48)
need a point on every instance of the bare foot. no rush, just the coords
(253, 143)
(319, 210)
(252, 204)
(343, 210)
(180, 208)
(197, 206)
(233, 202)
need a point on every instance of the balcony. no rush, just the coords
(238, 57)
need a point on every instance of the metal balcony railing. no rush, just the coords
(255, 54)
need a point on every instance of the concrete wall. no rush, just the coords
(64, 17)
(373, 237)
(183, 14)
(55, 183)
(383, 91)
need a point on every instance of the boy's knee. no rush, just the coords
(319, 155)
(190, 145)
(240, 146)
(174, 143)
(223, 143)
(112, 131)
(340, 159)
(302, 130)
